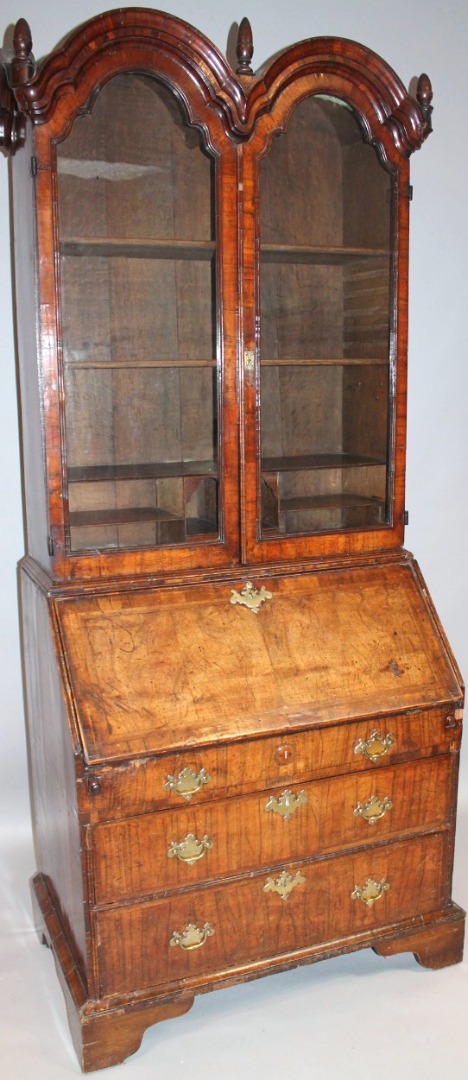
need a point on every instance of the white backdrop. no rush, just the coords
(411, 35)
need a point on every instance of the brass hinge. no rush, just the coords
(406, 518)
(410, 192)
(34, 167)
(50, 545)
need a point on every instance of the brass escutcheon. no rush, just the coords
(192, 937)
(375, 746)
(284, 884)
(249, 359)
(190, 849)
(370, 892)
(250, 597)
(187, 783)
(287, 804)
(373, 809)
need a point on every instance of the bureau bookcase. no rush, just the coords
(244, 718)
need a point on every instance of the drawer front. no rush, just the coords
(170, 850)
(221, 928)
(201, 775)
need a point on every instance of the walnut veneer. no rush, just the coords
(244, 718)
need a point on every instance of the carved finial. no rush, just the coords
(244, 50)
(22, 65)
(19, 72)
(424, 96)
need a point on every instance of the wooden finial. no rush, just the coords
(244, 50)
(19, 72)
(424, 96)
(22, 65)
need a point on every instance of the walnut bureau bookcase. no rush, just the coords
(244, 717)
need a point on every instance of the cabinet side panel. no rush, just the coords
(26, 329)
(52, 769)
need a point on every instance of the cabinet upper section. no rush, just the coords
(138, 39)
(213, 324)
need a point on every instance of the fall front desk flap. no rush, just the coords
(167, 668)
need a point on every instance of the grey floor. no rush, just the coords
(360, 1016)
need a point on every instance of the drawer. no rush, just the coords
(172, 849)
(201, 775)
(228, 927)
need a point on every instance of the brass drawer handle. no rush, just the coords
(375, 746)
(287, 804)
(192, 937)
(190, 849)
(284, 884)
(250, 597)
(373, 809)
(370, 892)
(187, 783)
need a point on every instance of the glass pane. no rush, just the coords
(138, 287)
(326, 228)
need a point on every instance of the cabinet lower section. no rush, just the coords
(172, 863)
(408, 916)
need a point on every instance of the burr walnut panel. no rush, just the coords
(201, 667)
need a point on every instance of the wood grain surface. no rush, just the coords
(212, 285)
